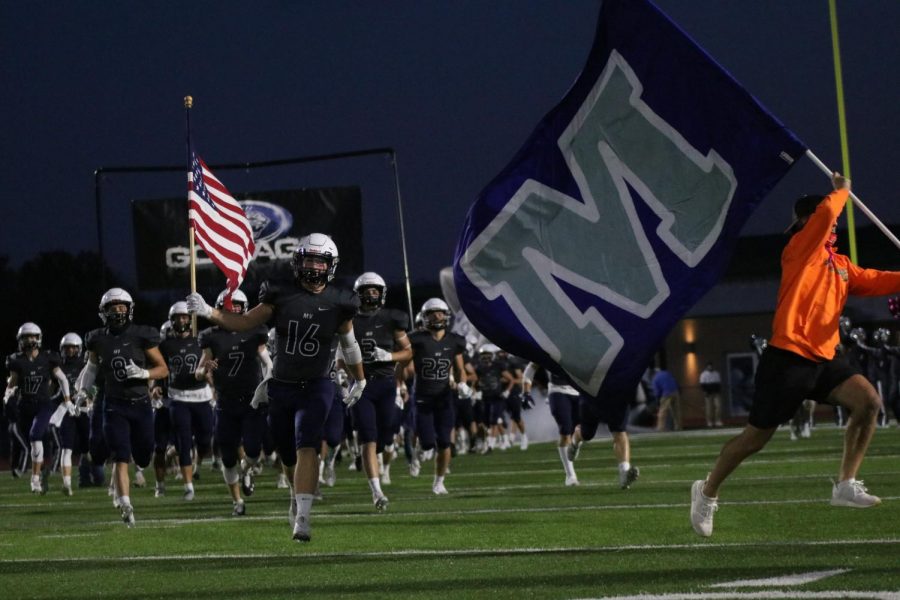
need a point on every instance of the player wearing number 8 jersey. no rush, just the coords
(437, 353)
(126, 356)
(310, 320)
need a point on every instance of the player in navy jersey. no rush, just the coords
(32, 371)
(74, 431)
(189, 408)
(494, 382)
(127, 357)
(382, 337)
(310, 319)
(238, 362)
(437, 352)
(514, 405)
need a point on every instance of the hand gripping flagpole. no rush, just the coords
(188, 104)
(856, 201)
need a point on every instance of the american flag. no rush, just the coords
(220, 225)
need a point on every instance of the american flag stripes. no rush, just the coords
(219, 223)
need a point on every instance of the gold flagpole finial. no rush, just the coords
(188, 101)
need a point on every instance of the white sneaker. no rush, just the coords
(439, 489)
(626, 478)
(36, 485)
(702, 509)
(301, 529)
(380, 501)
(854, 494)
(188, 495)
(414, 468)
(127, 515)
(572, 481)
(573, 449)
(139, 479)
(523, 442)
(386, 478)
(329, 477)
(282, 482)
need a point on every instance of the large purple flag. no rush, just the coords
(622, 208)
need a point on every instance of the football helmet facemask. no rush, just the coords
(371, 289)
(435, 314)
(176, 310)
(111, 317)
(29, 337)
(70, 340)
(238, 301)
(318, 247)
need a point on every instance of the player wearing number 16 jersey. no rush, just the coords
(437, 352)
(310, 319)
(126, 356)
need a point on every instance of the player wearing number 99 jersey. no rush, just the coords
(126, 356)
(310, 319)
(437, 352)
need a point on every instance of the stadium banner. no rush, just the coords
(278, 218)
(622, 208)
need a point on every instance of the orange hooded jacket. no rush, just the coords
(815, 284)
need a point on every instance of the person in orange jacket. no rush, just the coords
(800, 361)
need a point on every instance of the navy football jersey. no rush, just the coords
(490, 380)
(377, 329)
(34, 375)
(306, 326)
(239, 371)
(114, 350)
(182, 355)
(514, 363)
(434, 359)
(71, 368)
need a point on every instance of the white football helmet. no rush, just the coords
(430, 309)
(179, 308)
(29, 329)
(116, 319)
(319, 246)
(165, 331)
(370, 280)
(70, 339)
(238, 297)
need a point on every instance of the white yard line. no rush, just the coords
(786, 580)
(770, 595)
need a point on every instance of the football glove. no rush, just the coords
(261, 394)
(382, 355)
(132, 371)
(356, 391)
(527, 400)
(196, 304)
(464, 391)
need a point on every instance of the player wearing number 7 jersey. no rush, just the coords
(126, 356)
(310, 319)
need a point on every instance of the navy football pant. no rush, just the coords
(375, 415)
(297, 415)
(191, 421)
(434, 420)
(128, 428)
(564, 408)
(237, 423)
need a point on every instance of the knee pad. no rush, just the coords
(37, 452)
(65, 457)
(231, 474)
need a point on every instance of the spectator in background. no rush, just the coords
(665, 388)
(711, 384)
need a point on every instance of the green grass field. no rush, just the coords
(508, 529)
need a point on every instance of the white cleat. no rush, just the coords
(573, 449)
(282, 482)
(239, 509)
(702, 509)
(414, 468)
(380, 501)
(292, 512)
(301, 529)
(139, 479)
(386, 478)
(523, 443)
(36, 486)
(572, 481)
(854, 494)
(188, 495)
(439, 489)
(160, 491)
(329, 476)
(67, 490)
(127, 512)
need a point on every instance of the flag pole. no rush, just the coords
(842, 122)
(188, 104)
(857, 201)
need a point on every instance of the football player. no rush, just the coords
(127, 357)
(437, 352)
(238, 362)
(382, 337)
(310, 319)
(190, 410)
(494, 382)
(563, 399)
(74, 431)
(32, 371)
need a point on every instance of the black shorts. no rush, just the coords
(784, 380)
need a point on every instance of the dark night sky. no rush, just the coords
(456, 87)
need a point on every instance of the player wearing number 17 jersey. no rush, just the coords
(437, 352)
(310, 320)
(126, 356)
